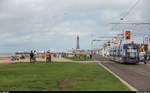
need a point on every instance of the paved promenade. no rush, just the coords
(56, 59)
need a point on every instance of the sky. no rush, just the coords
(55, 24)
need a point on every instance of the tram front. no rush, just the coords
(132, 53)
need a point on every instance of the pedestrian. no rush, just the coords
(148, 57)
(54, 54)
(35, 55)
(31, 56)
(12, 58)
(43, 55)
(90, 56)
(48, 57)
(59, 56)
(145, 57)
(22, 56)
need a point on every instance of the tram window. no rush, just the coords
(132, 53)
(124, 54)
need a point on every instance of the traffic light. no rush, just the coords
(128, 35)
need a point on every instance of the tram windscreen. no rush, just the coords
(132, 53)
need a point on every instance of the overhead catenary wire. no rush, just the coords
(131, 9)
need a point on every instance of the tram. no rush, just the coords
(125, 53)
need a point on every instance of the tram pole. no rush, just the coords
(120, 39)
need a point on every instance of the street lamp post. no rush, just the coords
(121, 37)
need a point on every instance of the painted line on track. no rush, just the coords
(123, 81)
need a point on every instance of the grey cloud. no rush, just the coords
(55, 23)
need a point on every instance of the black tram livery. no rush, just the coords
(125, 53)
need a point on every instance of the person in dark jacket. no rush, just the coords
(148, 57)
(31, 56)
(145, 57)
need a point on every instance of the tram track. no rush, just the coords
(137, 75)
(138, 79)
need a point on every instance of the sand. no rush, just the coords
(5, 59)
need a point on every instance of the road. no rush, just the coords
(137, 76)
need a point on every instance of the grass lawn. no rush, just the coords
(80, 59)
(57, 77)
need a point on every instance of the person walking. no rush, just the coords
(48, 57)
(31, 57)
(148, 57)
(43, 55)
(35, 55)
(145, 57)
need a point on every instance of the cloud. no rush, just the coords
(42, 24)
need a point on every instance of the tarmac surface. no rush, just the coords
(137, 75)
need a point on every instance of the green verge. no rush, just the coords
(57, 77)
(80, 59)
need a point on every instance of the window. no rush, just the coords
(132, 53)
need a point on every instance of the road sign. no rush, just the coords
(115, 40)
(146, 40)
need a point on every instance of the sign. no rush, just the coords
(128, 35)
(115, 40)
(146, 40)
(149, 38)
(131, 50)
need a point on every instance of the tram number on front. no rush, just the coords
(131, 50)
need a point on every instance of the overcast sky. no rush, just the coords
(54, 24)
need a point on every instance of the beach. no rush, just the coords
(5, 59)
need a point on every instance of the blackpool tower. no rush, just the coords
(78, 46)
